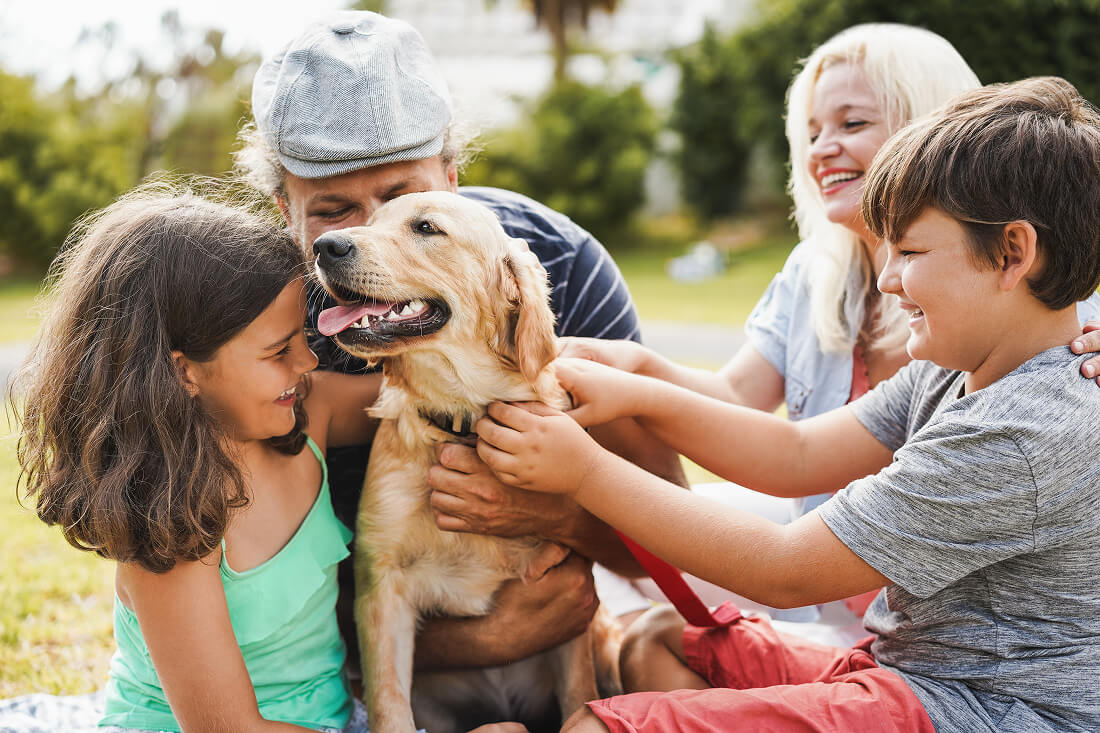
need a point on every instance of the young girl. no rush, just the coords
(164, 426)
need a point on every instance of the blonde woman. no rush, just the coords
(823, 334)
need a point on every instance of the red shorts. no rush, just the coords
(767, 681)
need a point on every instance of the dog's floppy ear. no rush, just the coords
(530, 322)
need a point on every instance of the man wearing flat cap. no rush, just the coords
(350, 114)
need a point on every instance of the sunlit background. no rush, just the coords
(656, 124)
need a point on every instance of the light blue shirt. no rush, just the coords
(780, 327)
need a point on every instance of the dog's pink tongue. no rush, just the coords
(334, 320)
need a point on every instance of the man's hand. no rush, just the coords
(527, 618)
(468, 497)
(1089, 342)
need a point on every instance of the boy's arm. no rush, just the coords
(784, 566)
(750, 447)
(780, 565)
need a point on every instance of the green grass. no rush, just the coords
(724, 300)
(55, 619)
(19, 311)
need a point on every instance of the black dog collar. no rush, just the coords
(460, 425)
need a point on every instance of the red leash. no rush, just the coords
(673, 585)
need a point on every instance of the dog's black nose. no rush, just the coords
(333, 246)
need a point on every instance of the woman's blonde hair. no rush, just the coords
(912, 72)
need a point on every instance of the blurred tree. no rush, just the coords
(59, 157)
(64, 152)
(713, 82)
(192, 105)
(558, 17)
(582, 150)
(1003, 40)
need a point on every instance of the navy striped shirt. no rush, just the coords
(588, 297)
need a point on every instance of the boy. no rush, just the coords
(982, 520)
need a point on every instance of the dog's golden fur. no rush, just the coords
(496, 344)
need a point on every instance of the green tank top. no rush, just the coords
(284, 617)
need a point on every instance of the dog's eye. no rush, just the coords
(424, 226)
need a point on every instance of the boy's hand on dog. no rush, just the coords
(535, 447)
(468, 497)
(1089, 342)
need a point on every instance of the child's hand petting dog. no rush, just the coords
(535, 447)
(600, 393)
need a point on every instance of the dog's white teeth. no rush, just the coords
(391, 316)
(415, 306)
(406, 311)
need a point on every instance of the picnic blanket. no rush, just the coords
(42, 713)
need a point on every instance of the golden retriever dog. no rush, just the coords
(458, 314)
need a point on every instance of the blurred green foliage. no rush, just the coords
(65, 152)
(582, 150)
(734, 87)
(58, 158)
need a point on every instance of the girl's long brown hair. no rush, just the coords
(113, 449)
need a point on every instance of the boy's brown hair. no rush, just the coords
(1026, 151)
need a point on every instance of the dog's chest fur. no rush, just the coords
(450, 573)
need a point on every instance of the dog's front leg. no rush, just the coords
(574, 674)
(387, 633)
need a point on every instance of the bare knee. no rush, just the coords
(584, 721)
(652, 643)
(659, 626)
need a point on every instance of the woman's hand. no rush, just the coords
(600, 393)
(1088, 343)
(626, 355)
(535, 447)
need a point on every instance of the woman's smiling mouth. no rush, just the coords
(832, 179)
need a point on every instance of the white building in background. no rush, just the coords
(494, 57)
(493, 54)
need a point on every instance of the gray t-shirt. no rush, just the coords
(988, 524)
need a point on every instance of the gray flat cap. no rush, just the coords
(355, 89)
